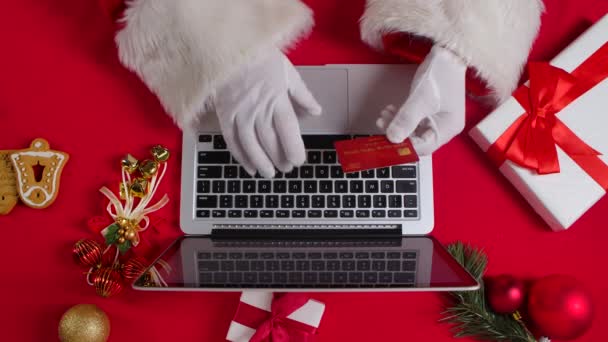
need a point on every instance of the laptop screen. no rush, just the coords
(398, 263)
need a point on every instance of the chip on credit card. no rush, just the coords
(366, 153)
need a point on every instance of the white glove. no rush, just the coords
(434, 112)
(255, 108)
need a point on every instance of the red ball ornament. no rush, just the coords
(560, 307)
(505, 294)
(107, 282)
(87, 253)
(133, 268)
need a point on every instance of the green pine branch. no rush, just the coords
(470, 315)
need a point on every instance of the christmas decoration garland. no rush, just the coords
(557, 305)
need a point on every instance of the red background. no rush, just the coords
(61, 80)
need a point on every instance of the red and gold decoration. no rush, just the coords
(110, 267)
(556, 306)
(84, 323)
(560, 307)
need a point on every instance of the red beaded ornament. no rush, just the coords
(133, 268)
(107, 282)
(87, 253)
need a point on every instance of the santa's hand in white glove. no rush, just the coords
(434, 112)
(257, 108)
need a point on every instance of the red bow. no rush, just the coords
(275, 326)
(532, 139)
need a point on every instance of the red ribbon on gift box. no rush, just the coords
(531, 140)
(274, 326)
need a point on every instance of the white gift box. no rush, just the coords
(560, 198)
(309, 314)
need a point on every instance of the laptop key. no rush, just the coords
(287, 265)
(251, 213)
(352, 175)
(242, 265)
(318, 265)
(256, 201)
(279, 187)
(341, 187)
(330, 213)
(272, 265)
(267, 255)
(220, 255)
(378, 265)
(219, 186)
(356, 187)
(404, 277)
(204, 255)
(379, 201)
(299, 255)
(264, 187)
(282, 214)
(329, 157)
(314, 157)
(310, 277)
(280, 277)
(292, 174)
(203, 213)
(295, 277)
(249, 186)
(385, 277)
(406, 186)
(340, 277)
(218, 213)
(257, 265)
(314, 255)
(363, 265)
(326, 187)
(220, 277)
(310, 187)
(364, 201)
(243, 173)
(387, 186)
(336, 172)
(251, 255)
(287, 201)
(408, 265)
(394, 201)
(214, 157)
(378, 255)
(404, 171)
(315, 213)
(302, 265)
(231, 171)
(295, 187)
(203, 187)
(409, 255)
(235, 214)
(325, 277)
(227, 265)
(410, 201)
(218, 142)
(266, 214)
(348, 265)
(370, 277)
(378, 213)
(302, 201)
(209, 266)
(234, 187)
(394, 213)
(346, 255)
(298, 213)
(362, 255)
(235, 277)
(410, 213)
(349, 201)
(384, 172)
(333, 265)
(355, 277)
(318, 201)
(322, 171)
(272, 201)
(333, 201)
(250, 277)
(306, 171)
(371, 186)
(204, 138)
(347, 213)
(393, 255)
(322, 142)
(393, 265)
(362, 213)
(265, 277)
(226, 201)
(210, 172)
(367, 174)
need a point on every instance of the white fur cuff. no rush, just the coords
(184, 49)
(493, 36)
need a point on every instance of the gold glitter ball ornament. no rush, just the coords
(84, 323)
(148, 168)
(160, 153)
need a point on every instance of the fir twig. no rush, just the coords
(470, 315)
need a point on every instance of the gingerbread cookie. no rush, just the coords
(8, 185)
(37, 173)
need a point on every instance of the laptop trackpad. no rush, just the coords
(330, 88)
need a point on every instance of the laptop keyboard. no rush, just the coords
(317, 190)
(354, 268)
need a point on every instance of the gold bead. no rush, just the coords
(122, 222)
(121, 232)
(139, 187)
(160, 153)
(129, 163)
(121, 240)
(130, 234)
(148, 168)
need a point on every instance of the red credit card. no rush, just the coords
(373, 152)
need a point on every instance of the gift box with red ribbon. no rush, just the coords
(550, 139)
(266, 316)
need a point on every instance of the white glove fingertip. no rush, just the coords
(381, 123)
(395, 134)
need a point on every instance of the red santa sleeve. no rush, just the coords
(184, 50)
(493, 37)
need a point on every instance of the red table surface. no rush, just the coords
(61, 80)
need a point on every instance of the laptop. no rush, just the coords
(315, 227)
